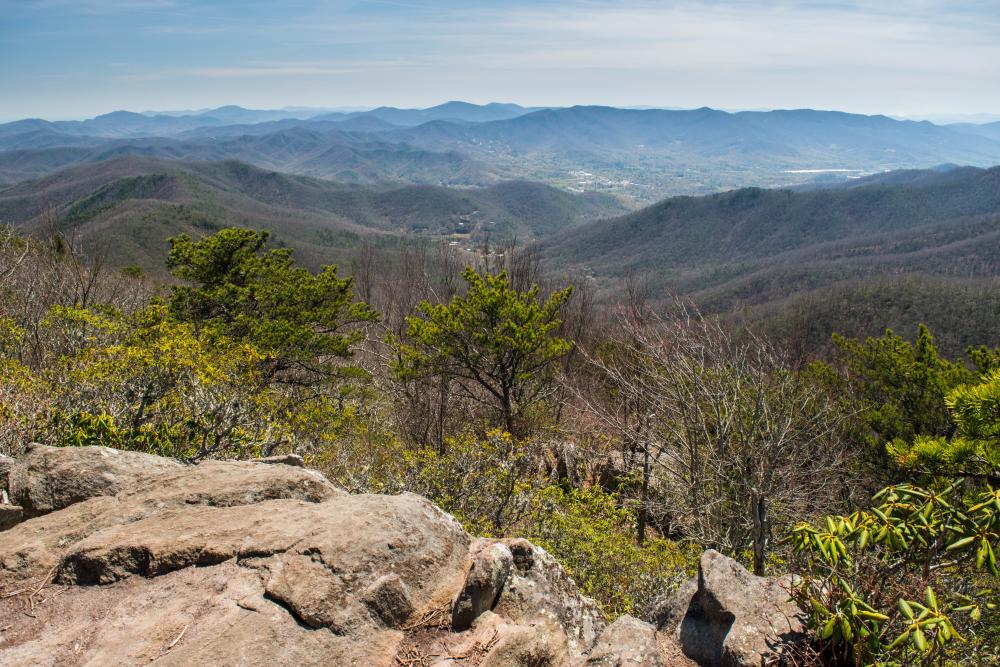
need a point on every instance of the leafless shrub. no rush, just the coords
(719, 439)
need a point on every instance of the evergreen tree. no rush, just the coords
(242, 292)
(974, 451)
(497, 343)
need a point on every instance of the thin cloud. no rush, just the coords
(910, 55)
(260, 71)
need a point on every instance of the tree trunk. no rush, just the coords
(758, 510)
(507, 407)
(641, 527)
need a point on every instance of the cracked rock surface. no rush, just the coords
(121, 558)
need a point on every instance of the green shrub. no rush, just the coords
(905, 581)
(594, 538)
(487, 483)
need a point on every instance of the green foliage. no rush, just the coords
(246, 294)
(83, 429)
(902, 385)
(496, 342)
(245, 361)
(593, 537)
(150, 383)
(973, 451)
(983, 358)
(22, 397)
(10, 335)
(892, 585)
(485, 482)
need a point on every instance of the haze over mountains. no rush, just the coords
(641, 155)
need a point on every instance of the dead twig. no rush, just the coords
(172, 644)
(479, 649)
(45, 580)
(13, 593)
(178, 638)
(414, 658)
(433, 618)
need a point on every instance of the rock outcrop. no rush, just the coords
(121, 558)
(727, 616)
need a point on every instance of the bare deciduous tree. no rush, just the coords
(721, 435)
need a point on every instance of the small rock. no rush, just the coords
(284, 459)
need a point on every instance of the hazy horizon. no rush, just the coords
(310, 111)
(917, 59)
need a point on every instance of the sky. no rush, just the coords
(79, 58)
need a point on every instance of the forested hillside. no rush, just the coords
(745, 225)
(128, 207)
(931, 239)
(798, 264)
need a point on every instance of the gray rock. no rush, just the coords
(51, 478)
(491, 566)
(628, 642)
(671, 609)
(6, 463)
(732, 618)
(10, 516)
(388, 598)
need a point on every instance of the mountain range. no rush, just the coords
(641, 155)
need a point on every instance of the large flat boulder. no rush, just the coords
(121, 558)
(335, 573)
(47, 479)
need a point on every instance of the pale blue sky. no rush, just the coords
(77, 58)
